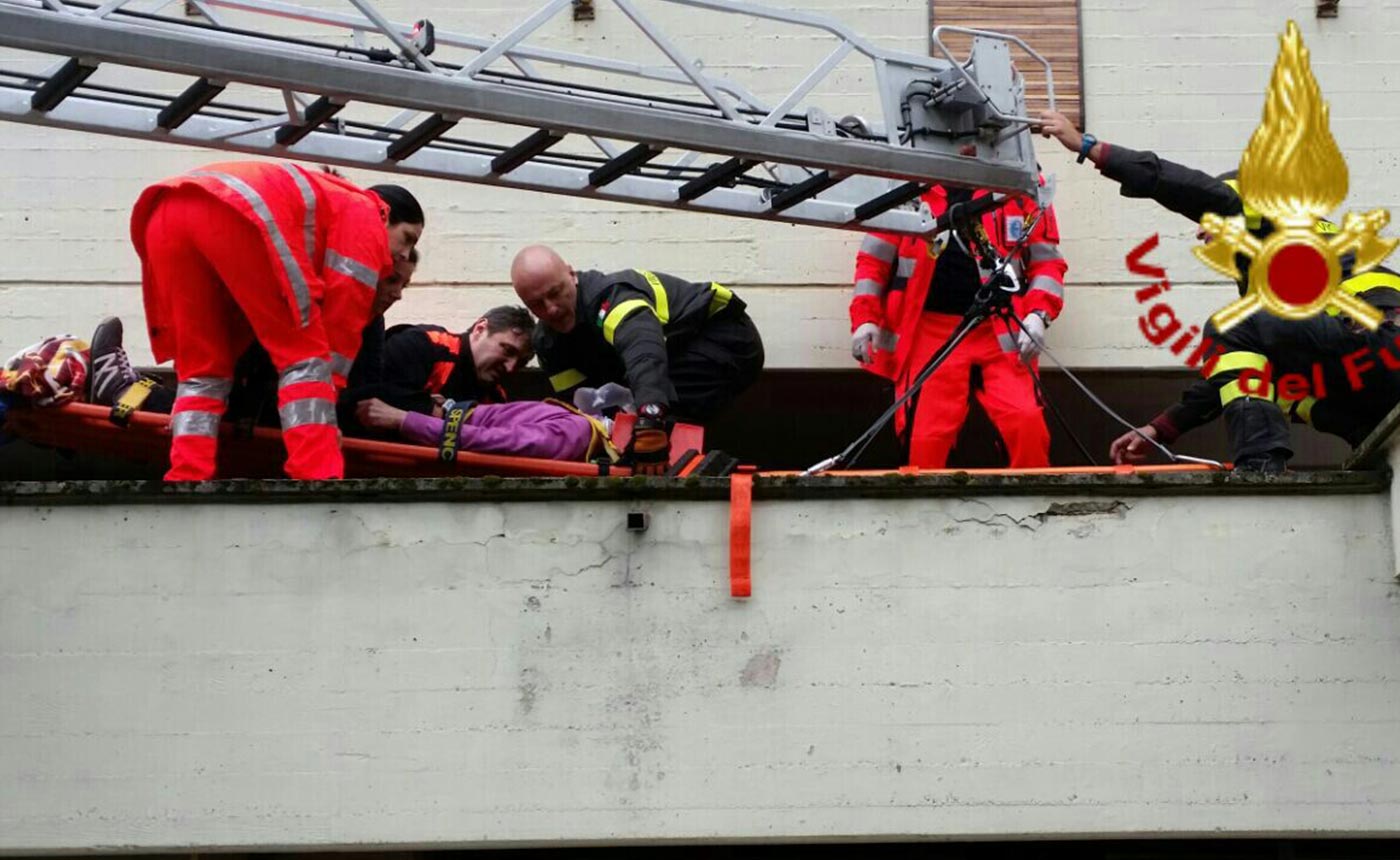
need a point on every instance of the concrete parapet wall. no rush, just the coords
(336, 672)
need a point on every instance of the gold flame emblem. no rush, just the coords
(1293, 174)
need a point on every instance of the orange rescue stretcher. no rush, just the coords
(146, 438)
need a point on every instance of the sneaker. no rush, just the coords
(110, 374)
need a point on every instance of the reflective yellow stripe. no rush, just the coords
(620, 313)
(1304, 409)
(1240, 361)
(1253, 218)
(566, 379)
(1231, 392)
(663, 304)
(719, 298)
(1371, 281)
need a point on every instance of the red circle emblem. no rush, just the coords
(1298, 274)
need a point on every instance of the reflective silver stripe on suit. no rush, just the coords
(886, 340)
(194, 423)
(1007, 342)
(310, 410)
(341, 364)
(868, 287)
(1043, 251)
(308, 196)
(205, 386)
(878, 248)
(1048, 284)
(306, 370)
(300, 290)
(354, 268)
(906, 267)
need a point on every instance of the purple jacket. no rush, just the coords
(525, 428)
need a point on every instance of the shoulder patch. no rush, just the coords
(1015, 227)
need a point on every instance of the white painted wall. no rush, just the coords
(396, 675)
(1185, 79)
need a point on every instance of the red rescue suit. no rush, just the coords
(892, 281)
(244, 251)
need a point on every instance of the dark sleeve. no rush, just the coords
(408, 360)
(369, 361)
(641, 344)
(1233, 351)
(558, 361)
(1181, 189)
(1199, 404)
(407, 363)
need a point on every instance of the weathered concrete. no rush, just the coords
(766, 486)
(446, 674)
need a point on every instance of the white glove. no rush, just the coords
(595, 401)
(863, 342)
(1031, 338)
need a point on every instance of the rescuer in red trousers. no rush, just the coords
(243, 251)
(910, 296)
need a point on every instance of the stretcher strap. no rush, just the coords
(131, 400)
(740, 532)
(454, 417)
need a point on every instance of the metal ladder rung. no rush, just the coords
(804, 190)
(188, 103)
(524, 151)
(623, 164)
(61, 85)
(896, 196)
(315, 114)
(420, 136)
(715, 176)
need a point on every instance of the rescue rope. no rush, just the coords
(1171, 455)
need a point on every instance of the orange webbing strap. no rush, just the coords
(740, 532)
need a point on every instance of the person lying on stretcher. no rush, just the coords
(546, 429)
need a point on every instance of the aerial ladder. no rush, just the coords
(370, 93)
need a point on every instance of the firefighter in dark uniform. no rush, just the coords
(686, 350)
(1258, 417)
(424, 365)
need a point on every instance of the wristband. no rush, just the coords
(1085, 146)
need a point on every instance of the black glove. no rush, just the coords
(650, 448)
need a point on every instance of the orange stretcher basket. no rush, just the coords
(86, 427)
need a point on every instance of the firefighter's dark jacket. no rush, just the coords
(422, 360)
(1191, 194)
(622, 324)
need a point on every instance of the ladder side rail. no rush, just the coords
(83, 114)
(517, 55)
(805, 86)
(1003, 37)
(674, 54)
(199, 56)
(406, 48)
(516, 35)
(478, 43)
(847, 40)
(527, 69)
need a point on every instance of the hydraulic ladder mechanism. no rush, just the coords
(715, 147)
